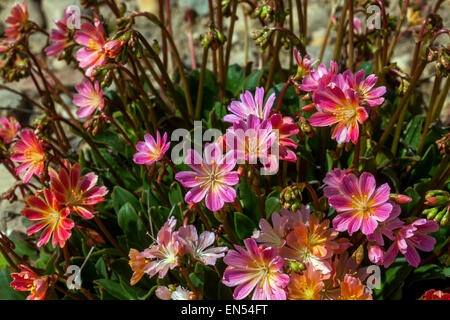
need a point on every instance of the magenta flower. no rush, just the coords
(8, 129)
(333, 180)
(252, 140)
(150, 151)
(376, 255)
(29, 151)
(60, 36)
(386, 228)
(249, 106)
(89, 98)
(304, 65)
(95, 49)
(211, 179)
(364, 87)
(360, 204)
(197, 246)
(286, 128)
(340, 108)
(259, 269)
(302, 215)
(319, 76)
(409, 238)
(164, 255)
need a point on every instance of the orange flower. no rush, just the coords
(307, 286)
(312, 243)
(137, 263)
(353, 289)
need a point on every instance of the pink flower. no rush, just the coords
(340, 108)
(357, 26)
(95, 49)
(249, 106)
(29, 151)
(150, 150)
(77, 192)
(333, 180)
(387, 226)
(89, 98)
(60, 36)
(8, 129)
(212, 178)
(376, 255)
(319, 76)
(360, 204)
(286, 128)
(272, 236)
(197, 245)
(164, 255)
(364, 87)
(304, 65)
(171, 293)
(28, 280)
(258, 269)
(18, 18)
(410, 237)
(252, 140)
(302, 215)
(50, 216)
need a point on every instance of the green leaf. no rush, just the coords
(101, 268)
(426, 272)
(394, 278)
(412, 136)
(121, 196)
(235, 79)
(115, 289)
(251, 82)
(248, 197)
(271, 204)
(132, 226)
(243, 225)
(367, 66)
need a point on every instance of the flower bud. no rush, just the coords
(400, 198)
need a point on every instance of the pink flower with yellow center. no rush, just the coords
(17, 19)
(28, 150)
(272, 236)
(360, 204)
(89, 98)
(165, 254)
(340, 108)
(60, 37)
(253, 140)
(353, 289)
(307, 286)
(50, 216)
(28, 280)
(387, 227)
(365, 87)
(150, 150)
(249, 106)
(259, 269)
(95, 49)
(77, 192)
(312, 243)
(8, 129)
(211, 179)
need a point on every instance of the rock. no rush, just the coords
(200, 6)
(12, 104)
(151, 6)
